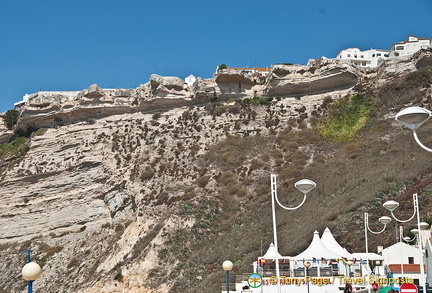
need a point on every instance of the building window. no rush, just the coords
(349, 55)
(361, 56)
(379, 54)
(410, 260)
(399, 47)
(373, 55)
(355, 56)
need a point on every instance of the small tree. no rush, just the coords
(222, 66)
(11, 118)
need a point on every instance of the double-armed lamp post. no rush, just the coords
(305, 186)
(384, 220)
(391, 205)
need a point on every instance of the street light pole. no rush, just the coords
(227, 266)
(30, 272)
(349, 263)
(377, 264)
(391, 205)
(307, 265)
(304, 185)
(384, 220)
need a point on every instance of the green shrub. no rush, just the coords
(347, 116)
(17, 147)
(222, 66)
(11, 118)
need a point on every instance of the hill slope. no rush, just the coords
(156, 201)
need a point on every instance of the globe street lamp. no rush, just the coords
(304, 185)
(227, 266)
(391, 205)
(377, 264)
(30, 272)
(307, 265)
(384, 220)
(413, 118)
(349, 264)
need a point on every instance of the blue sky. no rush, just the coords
(64, 45)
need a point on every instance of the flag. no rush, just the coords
(323, 260)
(344, 259)
(354, 260)
(314, 260)
(361, 261)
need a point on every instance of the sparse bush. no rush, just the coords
(11, 118)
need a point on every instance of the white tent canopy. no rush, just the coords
(316, 250)
(363, 256)
(328, 240)
(271, 253)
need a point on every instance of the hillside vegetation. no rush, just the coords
(196, 187)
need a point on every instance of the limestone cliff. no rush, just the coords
(108, 186)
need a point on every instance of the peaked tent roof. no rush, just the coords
(316, 250)
(328, 240)
(271, 253)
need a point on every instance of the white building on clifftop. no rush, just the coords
(368, 58)
(410, 46)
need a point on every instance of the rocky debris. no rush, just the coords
(324, 76)
(92, 92)
(168, 87)
(5, 133)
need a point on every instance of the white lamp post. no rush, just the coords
(413, 118)
(227, 266)
(304, 185)
(384, 220)
(392, 205)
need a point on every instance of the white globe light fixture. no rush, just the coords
(391, 205)
(227, 265)
(31, 271)
(305, 185)
(423, 225)
(384, 220)
(407, 239)
(413, 118)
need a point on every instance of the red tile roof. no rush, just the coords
(407, 268)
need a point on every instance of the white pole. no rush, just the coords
(422, 280)
(366, 219)
(273, 193)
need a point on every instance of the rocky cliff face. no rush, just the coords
(98, 193)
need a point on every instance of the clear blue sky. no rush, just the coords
(68, 45)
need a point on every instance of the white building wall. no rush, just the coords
(399, 253)
(369, 58)
(190, 80)
(409, 47)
